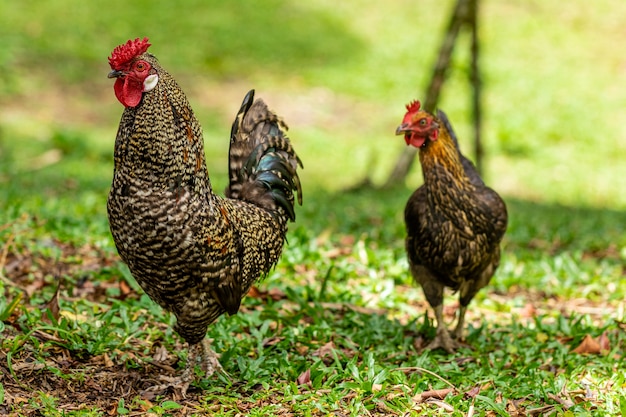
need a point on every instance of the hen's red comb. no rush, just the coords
(413, 106)
(127, 51)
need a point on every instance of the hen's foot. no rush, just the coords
(444, 341)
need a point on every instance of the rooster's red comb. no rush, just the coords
(127, 51)
(413, 106)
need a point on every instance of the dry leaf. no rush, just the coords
(107, 361)
(254, 292)
(605, 344)
(125, 289)
(160, 354)
(565, 402)
(324, 351)
(441, 404)
(588, 346)
(304, 378)
(473, 392)
(271, 341)
(53, 306)
(274, 293)
(528, 311)
(432, 394)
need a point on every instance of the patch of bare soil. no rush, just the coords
(77, 385)
(77, 381)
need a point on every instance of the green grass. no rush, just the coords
(340, 304)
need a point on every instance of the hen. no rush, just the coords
(454, 222)
(193, 252)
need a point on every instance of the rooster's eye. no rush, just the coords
(422, 122)
(140, 66)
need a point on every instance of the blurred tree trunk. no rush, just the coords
(476, 84)
(464, 13)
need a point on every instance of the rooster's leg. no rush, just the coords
(209, 361)
(442, 339)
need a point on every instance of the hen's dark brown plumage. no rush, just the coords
(454, 222)
(195, 253)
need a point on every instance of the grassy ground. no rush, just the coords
(337, 328)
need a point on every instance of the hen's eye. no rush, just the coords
(422, 122)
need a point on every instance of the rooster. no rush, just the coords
(193, 252)
(454, 222)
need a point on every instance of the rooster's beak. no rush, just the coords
(115, 74)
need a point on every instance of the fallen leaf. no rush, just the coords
(53, 306)
(588, 346)
(304, 378)
(432, 394)
(160, 354)
(565, 402)
(125, 289)
(302, 349)
(28, 366)
(271, 341)
(528, 311)
(498, 397)
(254, 292)
(605, 344)
(441, 404)
(473, 392)
(274, 293)
(325, 350)
(107, 361)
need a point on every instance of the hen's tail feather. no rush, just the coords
(468, 166)
(262, 165)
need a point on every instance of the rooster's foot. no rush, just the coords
(178, 385)
(209, 360)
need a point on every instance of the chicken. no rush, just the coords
(454, 222)
(193, 252)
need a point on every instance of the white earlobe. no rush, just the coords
(150, 82)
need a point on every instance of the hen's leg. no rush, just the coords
(433, 290)
(442, 339)
(468, 290)
(458, 330)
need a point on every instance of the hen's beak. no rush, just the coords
(115, 74)
(402, 129)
